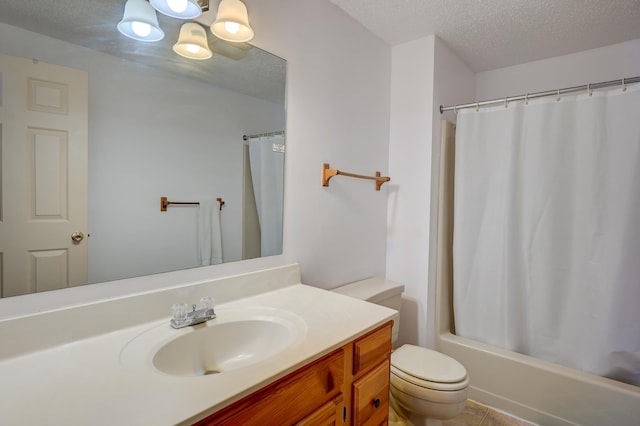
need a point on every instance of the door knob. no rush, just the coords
(76, 237)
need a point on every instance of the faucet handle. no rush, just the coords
(179, 311)
(206, 302)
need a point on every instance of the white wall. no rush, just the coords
(337, 112)
(409, 166)
(591, 66)
(454, 83)
(425, 74)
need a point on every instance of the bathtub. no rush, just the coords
(533, 389)
(540, 391)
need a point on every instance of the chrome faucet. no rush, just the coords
(182, 318)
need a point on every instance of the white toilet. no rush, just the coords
(426, 386)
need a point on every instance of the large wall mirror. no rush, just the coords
(96, 128)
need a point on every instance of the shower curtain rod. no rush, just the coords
(261, 135)
(585, 87)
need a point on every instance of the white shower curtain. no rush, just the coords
(547, 230)
(266, 155)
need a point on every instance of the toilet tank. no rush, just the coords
(379, 291)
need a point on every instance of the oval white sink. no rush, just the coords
(215, 348)
(236, 339)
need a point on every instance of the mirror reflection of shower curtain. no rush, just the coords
(546, 231)
(266, 155)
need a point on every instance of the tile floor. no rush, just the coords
(475, 414)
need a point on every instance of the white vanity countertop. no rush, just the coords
(87, 381)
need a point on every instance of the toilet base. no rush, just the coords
(400, 417)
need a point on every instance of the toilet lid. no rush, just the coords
(428, 365)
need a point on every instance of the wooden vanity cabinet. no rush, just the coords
(349, 386)
(370, 377)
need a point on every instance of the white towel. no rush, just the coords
(209, 233)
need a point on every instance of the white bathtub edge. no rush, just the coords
(540, 391)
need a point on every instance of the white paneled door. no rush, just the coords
(43, 208)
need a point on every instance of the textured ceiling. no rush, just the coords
(489, 34)
(92, 24)
(486, 34)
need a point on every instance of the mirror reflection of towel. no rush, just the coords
(209, 233)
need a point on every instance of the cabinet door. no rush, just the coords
(371, 397)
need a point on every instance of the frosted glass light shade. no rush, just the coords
(192, 42)
(185, 9)
(232, 22)
(140, 22)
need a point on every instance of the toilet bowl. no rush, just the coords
(426, 386)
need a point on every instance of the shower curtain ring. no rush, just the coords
(506, 102)
(526, 99)
(558, 95)
(624, 86)
(477, 106)
(455, 109)
(589, 89)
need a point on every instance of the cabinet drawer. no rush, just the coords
(371, 397)
(372, 349)
(325, 415)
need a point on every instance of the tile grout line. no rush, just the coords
(486, 413)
